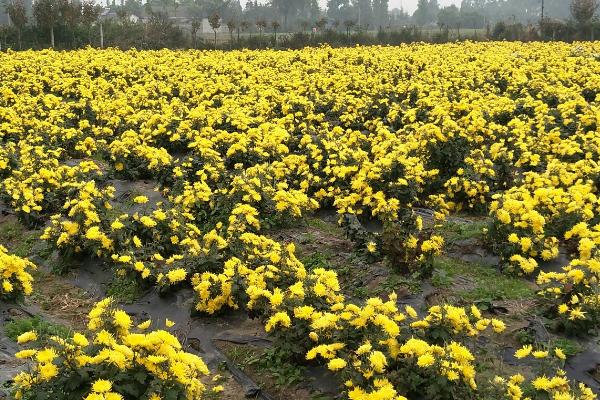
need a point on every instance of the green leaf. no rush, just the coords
(171, 394)
(130, 388)
(140, 377)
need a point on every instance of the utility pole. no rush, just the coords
(101, 36)
(542, 22)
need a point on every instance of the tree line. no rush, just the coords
(515, 19)
(69, 24)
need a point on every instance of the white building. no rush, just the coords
(206, 28)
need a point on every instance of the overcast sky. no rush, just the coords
(410, 5)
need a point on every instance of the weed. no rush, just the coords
(44, 329)
(275, 363)
(308, 238)
(525, 336)
(361, 292)
(568, 346)
(11, 229)
(17, 238)
(320, 396)
(412, 283)
(124, 289)
(440, 278)
(489, 283)
(271, 363)
(241, 355)
(456, 232)
(316, 260)
(325, 227)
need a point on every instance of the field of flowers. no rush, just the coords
(398, 142)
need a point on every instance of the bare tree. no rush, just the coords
(321, 24)
(231, 25)
(165, 5)
(275, 25)
(18, 16)
(261, 24)
(244, 26)
(3, 35)
(583, 12)
(215, 23)
(195, 25)
(304, 25)
(349, 24)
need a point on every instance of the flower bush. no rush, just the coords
(113, 359)
(238, 144)
(15, 276)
